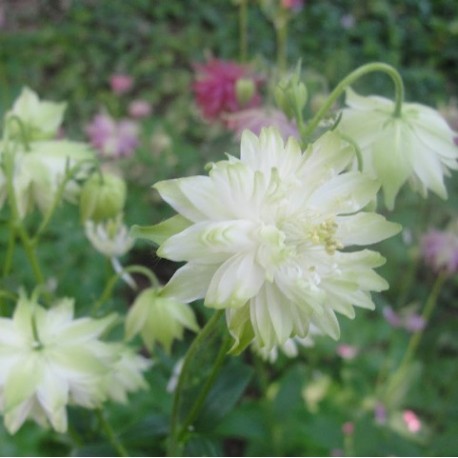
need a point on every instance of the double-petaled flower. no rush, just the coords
(266, 238)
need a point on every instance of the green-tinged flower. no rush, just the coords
(157, 317)
(38, 120)
(39, 172)
(126, 375)
(49, 360)
(262, 237)
(102, 197)
(417, 145)
(111, 237)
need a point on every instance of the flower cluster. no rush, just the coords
(215, 88)
(265, 237)
(50, 360)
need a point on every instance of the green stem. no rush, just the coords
(113, 280)
(174, 446)
(197, 406)
(112, 437)
(426, 315)
(281, 30)
(348, 81)
(9, 250)
(243, 27)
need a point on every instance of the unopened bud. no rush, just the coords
(244, 90)
(102, 197)
(291, 95)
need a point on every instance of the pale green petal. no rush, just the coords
(249, 149)
(235, 282)
(78, 359)
(189, 282)
(22, 381)
(364, 229)
(85, 329)
(160, 232)
(325, 320)
(15, 418)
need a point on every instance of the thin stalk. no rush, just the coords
(112, 437)
(281, 31)
(114, 279)
(9, 250)
(348, 81)
(174, 445)
(243, 28)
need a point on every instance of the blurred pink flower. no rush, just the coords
(294, 5)
(440, 250)
(120, 83)
(411, 420)
(215, 87)
(380, 413)
(348, 428)
(139, 109)
(409, 320)
(346, 351)
(255, 119)
(112, 138)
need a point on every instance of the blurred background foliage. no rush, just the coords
(67, 50)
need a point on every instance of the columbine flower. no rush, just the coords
(40, 171)
(157, 317)
(49, 360)
(417, 146)
(40, 119)
(290, 348)
(440, 249)
(262, 238)
(215, 87)
(126, 375)
(139, 109)
(120, 83)
(408, 319)
(111, 138)
(111, 237)
(255, 119)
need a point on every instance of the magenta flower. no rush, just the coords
(255, 119)
(139, 109)
(440, 250)
(120, 83)
(347, 352)
(111, 138)
(215, 87)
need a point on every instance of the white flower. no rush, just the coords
(49, 360)
(39, 172)
(157, 317)
(262, 238)
(417, 146)
(40, 119)
(126, 374)
(111, 237)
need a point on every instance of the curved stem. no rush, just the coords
(112, 282)
(349, 80)
(112, 437)
(174, 444)
(9, 250)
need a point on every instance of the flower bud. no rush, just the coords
(291, 95)
(102, 197)
(244, 90)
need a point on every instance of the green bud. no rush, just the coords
(102, 197)
(291, 94)
(244, 90)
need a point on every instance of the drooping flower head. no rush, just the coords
(215, 87)
(158, 318)
(113, 138)
(263, 237)
(417, 146)
(440, 249)
(49, 360)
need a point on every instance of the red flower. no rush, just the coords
(215, 87)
